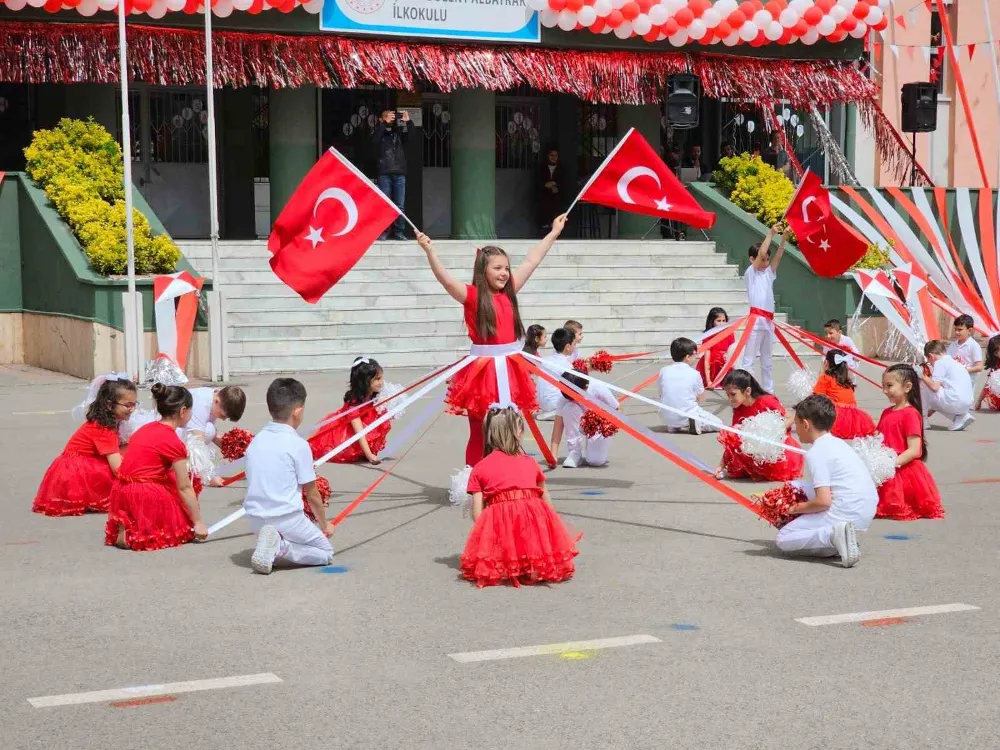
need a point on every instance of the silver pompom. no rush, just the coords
(993, 383)
(138, 418)
(165, 372)
(201, 457)
(388, 391)
(769, 427)
(879, 459)
(458, 494)
(800, 383)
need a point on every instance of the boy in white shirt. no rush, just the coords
(842, 496)
(964, 349)
(682, 388)
(759, 279)
(550, 397)
(835, 333)
(580, 448)
(227, 404)
(279, 466)
(947, 388)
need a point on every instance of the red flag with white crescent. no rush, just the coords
(330, 221)
(829, 246)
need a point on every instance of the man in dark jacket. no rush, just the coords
(390, 137)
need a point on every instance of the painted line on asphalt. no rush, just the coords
(991, 480)
(934, 609)
(142, 691)
(40, 413)
(549, 649)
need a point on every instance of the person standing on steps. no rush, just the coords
(390, 138)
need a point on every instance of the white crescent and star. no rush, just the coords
(315, 236)
(805, 208)
(634, 173)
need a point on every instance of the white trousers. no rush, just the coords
(809, 534)
(594, 450)
(707, 421)
(761, 342)
(939, 402)
(302, 542)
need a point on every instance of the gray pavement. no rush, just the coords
(363, 654)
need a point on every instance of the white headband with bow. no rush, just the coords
(80, 411)
(839, 359)
(497, 406)
(361, 361)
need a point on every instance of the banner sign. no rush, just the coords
(483, 20)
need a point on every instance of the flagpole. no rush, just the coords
(132, 318)
(217, 332)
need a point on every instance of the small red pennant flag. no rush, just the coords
(972, 50)
(901, 21)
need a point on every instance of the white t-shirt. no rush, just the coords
(833, 463)
(278, 463)
(680, 385)
(956, 383)
(201, 414)
(760, 290)
(968, 353)
(571, 412)
(845, 345)
(549, 396)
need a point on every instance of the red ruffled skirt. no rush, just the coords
(910, 495)
(991, 400)
(739, 465)
(473, 390)
(73, 485)
(518, 539)
(852, 422)
(716, 361)
(340, 431)
(152, 514)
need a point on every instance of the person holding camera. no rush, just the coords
(391, 133)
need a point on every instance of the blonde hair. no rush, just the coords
(502, 430)
(574, 326)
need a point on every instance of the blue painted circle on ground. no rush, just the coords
(684, 626)
(897, 537)
(333, 569)
(592, 492)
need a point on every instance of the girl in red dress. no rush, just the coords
(912, 493)
(366, 382)
(991, 365)
(80, 479)
(153, 504)
(715, 358)
(516, 537)
(492, 320)
(836, 384)
(748, 399)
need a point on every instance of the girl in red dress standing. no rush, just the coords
(912, 493)
(153, 505)
(748, 399)
(715, 358)
(80, 479)
(836, 384)
(366, 382)
(495, 329)
(516, 536)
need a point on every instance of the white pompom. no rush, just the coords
(388, 391)
(458, 494)
(201, 458)
(800, 383)
(879, 459)
(139, 418)
(993, 383)
(765, 437)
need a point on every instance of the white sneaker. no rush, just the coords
(572, 461)
(268, 542)
(844, 538)
(961, 422)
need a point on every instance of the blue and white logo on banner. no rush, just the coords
(483, 20)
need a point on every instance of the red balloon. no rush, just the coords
(670, 27)
(736, 19)
(615, 19)
(849, 24)
(698, 7)
(724, 29)
(786, 37)
(812, 16)
(630, 11)
(747, 9)
(775, 9)
(800, 28)
(574, 5)
(71, 3)
(645, 5)
(53, 6)
(598, 26)
(684, 17)
(861, 10)
(837, 36)
(256, 7)
(652, 35)
(142, 6)
(883, 22)
(825, 5)
(557, 5)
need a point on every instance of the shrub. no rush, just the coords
(756, 187)
(875, 258)
(79, 165)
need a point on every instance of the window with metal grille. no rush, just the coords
(261, 129)
(178, 127)
(436, 131)
(598, 134)
(518, 133)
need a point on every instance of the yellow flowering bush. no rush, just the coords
(79, 165)
(875, 257)
(756, 187)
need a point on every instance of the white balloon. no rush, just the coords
(536, 5)
(859, 31)
(748, 31)
(697, 30)
(223, 8)
(732, 40)
(548, 18)
(107, 4)
(642, 25)
(788, 18)
(624, 30)
(711, 18)
(618, 4)
(826, 26)
(794, 119)
(658, 15)
(156, 10)
(811, 36)
(762, 18)
(847, 5)
(884, 4)
(16, 4)
(661, 37)
(36, 3)
(773, 31)
(725, 7)
(679, 39)
(602, 8)
(177, 5)
(242, 5)
(800, 6)
(567, 20)
(586, 15)
(751, 126)
(838, 13)
(715, 39)
(673, 6)
(799, 130)
(875, 15)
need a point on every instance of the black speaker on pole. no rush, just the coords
(683, 101)
(919, 113)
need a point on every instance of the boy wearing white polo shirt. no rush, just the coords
(682, 388)
(842, 496)
(948, 388)
(279, 466)
(835, 333)
(550, 397)
(581, 449)
(759, 279)
(964, 349)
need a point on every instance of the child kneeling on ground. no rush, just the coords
(842, 497)
(279, 466)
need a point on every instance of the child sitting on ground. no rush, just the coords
(579, 448)
(682, 387)
(279, 467)
(964, 349)
(986, 395)
(550, 397)
(946, 388)
(836, 384)
(210, 405)
(841, 497)
(366, 383)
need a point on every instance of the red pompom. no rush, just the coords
(593, 424)
(774, 503)
(235, 443)
(602, 361)
(580, 365)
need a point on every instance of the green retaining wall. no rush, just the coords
(44, 270)
(807, 298)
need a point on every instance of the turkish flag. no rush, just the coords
(634, 178)
(330, 221)
(829, 246)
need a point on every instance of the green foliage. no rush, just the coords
(756, 187)
(875, 257)
(79, 165)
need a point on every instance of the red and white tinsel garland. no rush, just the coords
(726, 21)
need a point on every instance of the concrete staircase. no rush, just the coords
(630, 296)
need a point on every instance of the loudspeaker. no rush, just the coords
(919, 113)
(682, 105)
